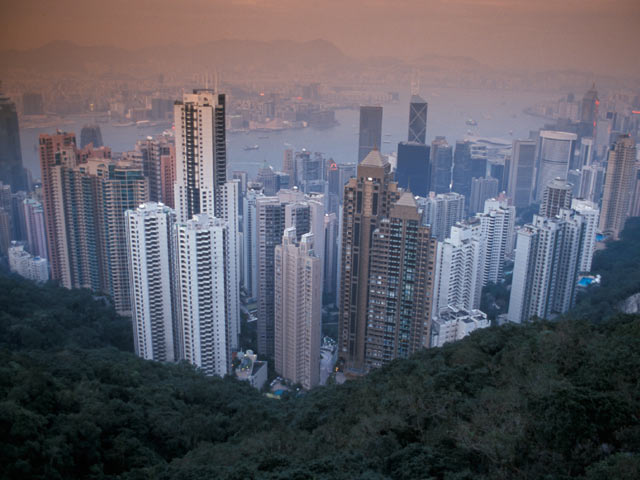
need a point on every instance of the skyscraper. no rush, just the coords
(250, 239)
(288, 164)
(481, 190)
(121, 187)
(370, 130)
(291, 208)
(586, 152)
(440, 212)
(11, 169)
(201, 155)
(498, 224)
(554, 155)
(589, 112)
(592, 183)
(441, 162)
(417, 119)
(557, 195)
(91, 134)
(203, 309)
(618, 186)
(400, 285)
(168, 174)
(34, 222)
(548, 256)
(460, 268)
(228, 204)
(149, 246)
(298, 309)
(591, 214)
(634, 210)
(461, 177)
(413, 170)
(522, 173)
(330, 256)
(367, 200)
(55, 151)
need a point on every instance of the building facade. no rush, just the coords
(298, 309)
(150, 230)
(618, 186)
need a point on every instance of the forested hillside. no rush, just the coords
(544, 400)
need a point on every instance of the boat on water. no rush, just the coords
(471, 122)
(123, 124)
(251, 147)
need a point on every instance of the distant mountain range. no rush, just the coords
(62, 56)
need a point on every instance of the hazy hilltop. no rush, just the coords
(61, 56)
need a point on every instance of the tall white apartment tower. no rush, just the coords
(201, 156)
(203, 307)
(498, 225)
(298, 309)
(441, 212)
(250, 241)
(591, 214)
(548, 256)
(228, 200)
(149, 230)
(459, 269)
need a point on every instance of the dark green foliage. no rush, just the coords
(546, 400)
(619, 266)
(50, 317)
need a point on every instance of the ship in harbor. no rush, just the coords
(251, 147)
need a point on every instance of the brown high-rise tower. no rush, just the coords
(367, 200)
(618, 186)
(401, 284)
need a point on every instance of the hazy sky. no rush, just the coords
(586, 34)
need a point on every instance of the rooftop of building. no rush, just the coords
(374, 159)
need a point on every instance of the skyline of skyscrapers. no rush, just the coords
(391, 249)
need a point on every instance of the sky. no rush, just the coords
(588, 35)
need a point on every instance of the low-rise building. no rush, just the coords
(27, 265)
(251, 370)
(454, 323)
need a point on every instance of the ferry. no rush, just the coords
(251, 147)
